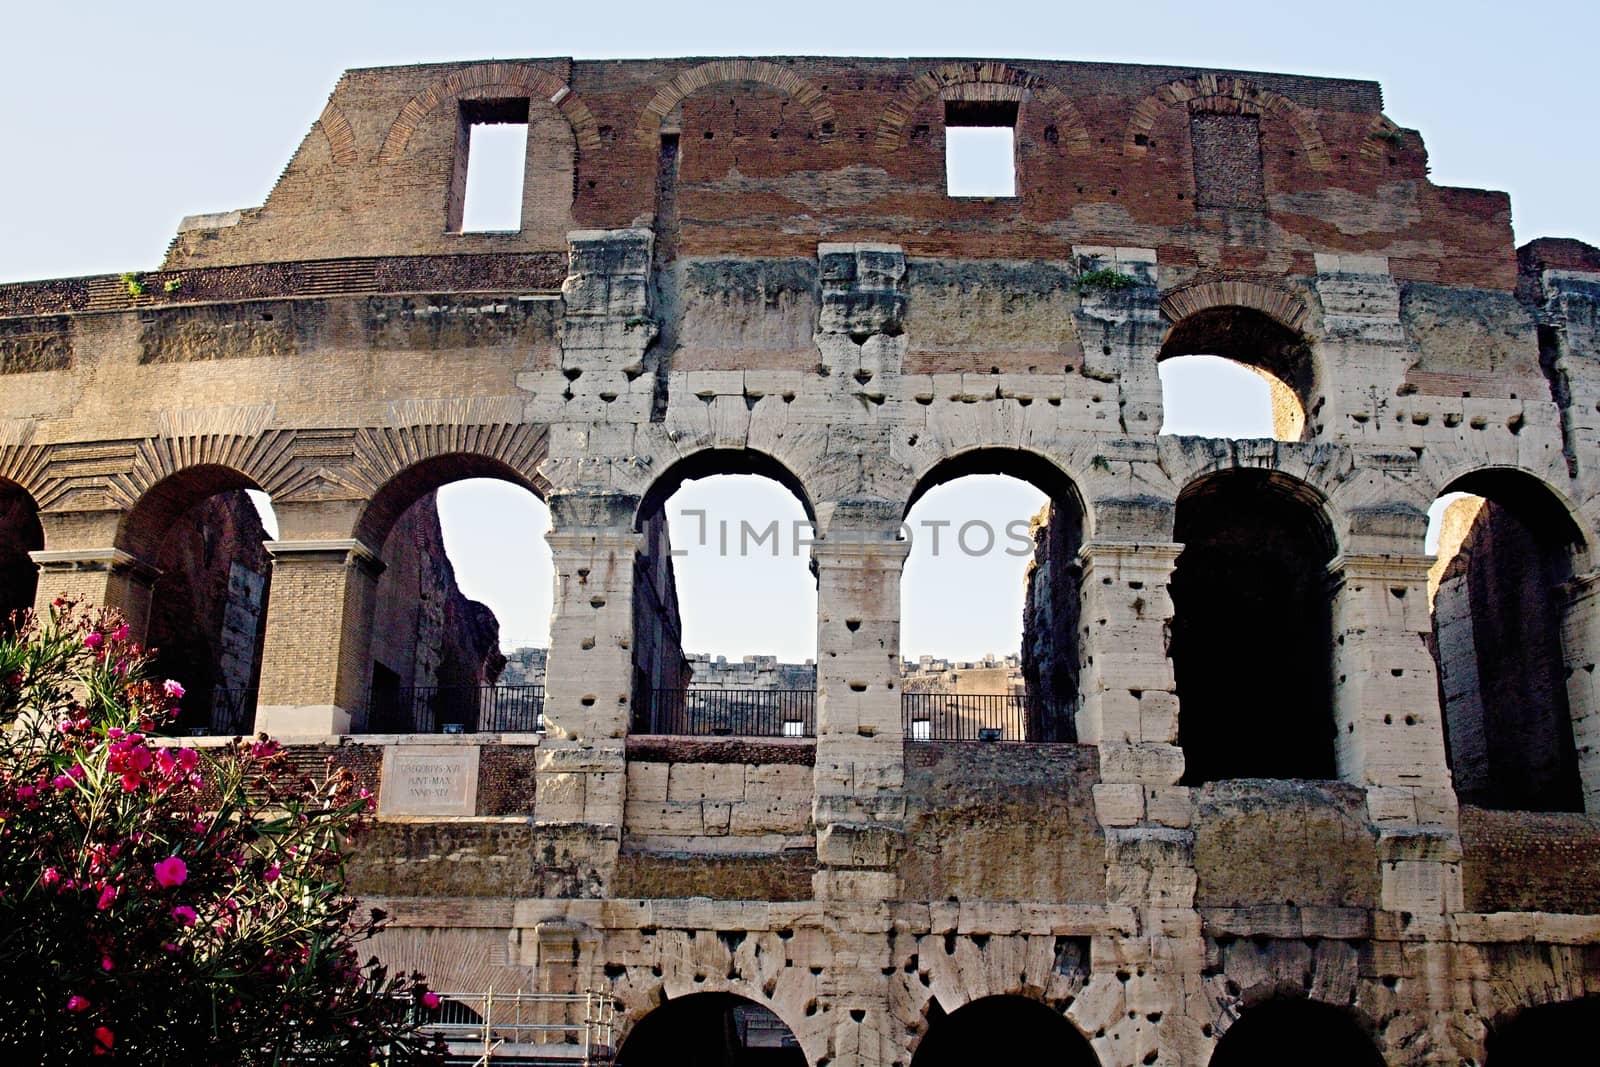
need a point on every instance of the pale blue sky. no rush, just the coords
(120, 119)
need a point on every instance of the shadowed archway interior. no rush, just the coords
(1028, 1032)
(711, 1030)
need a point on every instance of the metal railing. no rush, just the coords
(464, 709)
(980, 717)
(707, 712)
(482, 1028)
(233, 712)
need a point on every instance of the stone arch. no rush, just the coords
(1283, 306)
(720, 71)
(1224, 91)
(960, 969)
(199, 547)
(1034, 1033)
(682, 1030)
(1544, 1033)
(1298, 1028)
(516, 78)
(339, 135)
(392, 461)
(1252, 628)
(20, 534)
(1513, 608)
(1319, 475)
(708, 462)
(1051, 590)
(1016, 83)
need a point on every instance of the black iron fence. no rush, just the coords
(233, 712)
(452, 709)
(981, 717)
(706, 712)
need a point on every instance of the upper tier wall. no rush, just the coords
(777, 154)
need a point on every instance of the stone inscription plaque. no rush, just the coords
(429, 780)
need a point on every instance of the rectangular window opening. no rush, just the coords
(980, 148)
(921, 730)
(491, 159)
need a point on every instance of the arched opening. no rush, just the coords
(200, 534)
(1235, 372)
(461, 608)
(1027, 1030)
(725, 604)
(1252, 629)
(1306, 1033)
(997, 531)
(711, 1030)
(20, 533)
(1545, 1034)
(1506, 553)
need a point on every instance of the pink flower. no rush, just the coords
(77, 1003)
(184, 914)
(271, 873)
(102, 1040)
(106, 964)
(173, 689)
(49, 877)
(108, 896)
(120, 633)
(94, 640)
(62, 781)
(25, 791)
(430, 1000)
(171, 872)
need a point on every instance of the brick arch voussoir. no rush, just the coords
(892, 128)
(25, 466)
(341, 138)
(380, 454)
(1283, 306)
(722, 71)
(514, 77)
(1217, 89)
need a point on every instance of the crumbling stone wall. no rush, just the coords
(771, 278)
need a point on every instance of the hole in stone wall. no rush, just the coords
(1506, 550)
(980, 151)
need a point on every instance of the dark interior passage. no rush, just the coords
(1545, 1035)
(1003, 1029)
(20, 533)
(711, 1030)
(1302, 1032)
(1252, 634)
(208, 610)
(1497, 636)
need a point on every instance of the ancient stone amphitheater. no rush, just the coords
(1292, 798)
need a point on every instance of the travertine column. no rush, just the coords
(859, 805)
(1580, 646)
(1129, 707)
(1389, 735)
(589, 681)
(317, 652)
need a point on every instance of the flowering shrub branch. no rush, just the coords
(174, 904)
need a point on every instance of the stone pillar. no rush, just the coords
(1128, 706)
(1363, 337)
(316, 656)
(1580, 646)
(1389, 730)
(859, 803)
(589, 678)
(1122, 331)
(79, 560)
